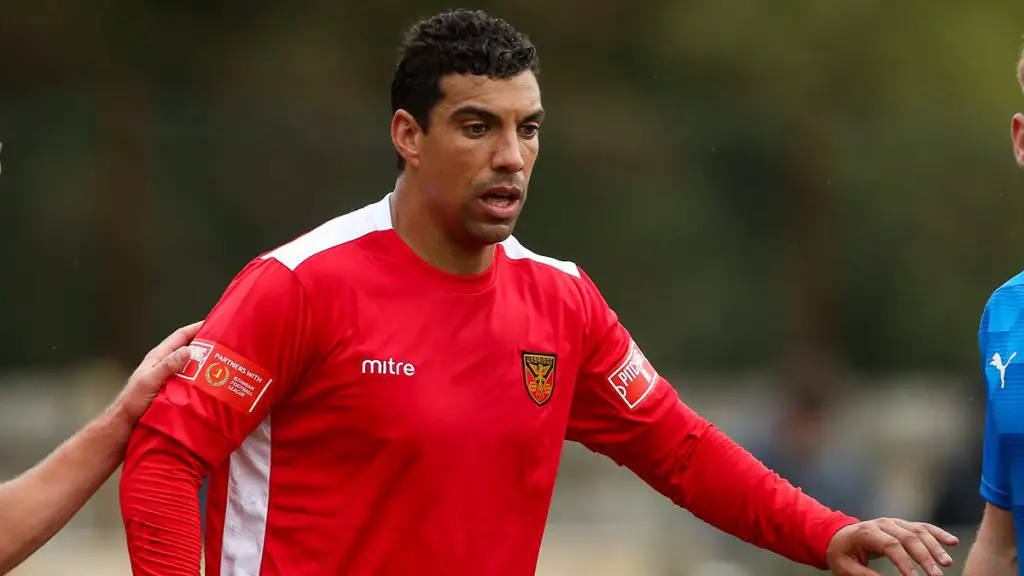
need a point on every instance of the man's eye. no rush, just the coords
(477, 129)
(529, 130)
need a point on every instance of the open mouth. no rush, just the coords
(502, 201)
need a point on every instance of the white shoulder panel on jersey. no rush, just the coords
(516, 251)
(341, 230)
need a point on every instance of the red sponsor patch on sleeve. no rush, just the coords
(225, 375)
(635, 378)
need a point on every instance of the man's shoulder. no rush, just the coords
(1005, 307)
(1001, 336)
(332, 237)
(557, 270)
(1015, 282)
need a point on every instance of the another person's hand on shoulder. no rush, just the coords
(35, 505)
(169, 357)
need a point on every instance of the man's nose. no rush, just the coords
(508, 157)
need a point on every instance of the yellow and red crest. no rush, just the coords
(539, 376)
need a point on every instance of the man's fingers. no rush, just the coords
(154, 377)
(930, 536)
(848, 566)
(189, 332)
(180, 337)
(941, 535)
(905, 544)
(145, 383)
(890, 546)
(912, 542)
(173, 363)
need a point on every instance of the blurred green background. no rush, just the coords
(775, 198)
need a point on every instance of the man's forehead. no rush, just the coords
(519, 93)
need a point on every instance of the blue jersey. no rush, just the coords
(1001, 340)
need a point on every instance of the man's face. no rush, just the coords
(474, 163)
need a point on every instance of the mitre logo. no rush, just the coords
(388, 367)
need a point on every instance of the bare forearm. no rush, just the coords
(37, 504)
(986, 560)
(994, 552)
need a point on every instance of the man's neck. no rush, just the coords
(415, 225)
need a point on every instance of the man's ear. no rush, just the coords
(407, 136)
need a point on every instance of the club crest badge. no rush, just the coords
(539, 376)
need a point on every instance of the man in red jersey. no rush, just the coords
(389, 394)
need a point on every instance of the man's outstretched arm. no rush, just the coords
(622, 408)
(37, 504)
(994, 552)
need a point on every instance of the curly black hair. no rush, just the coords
(456, 42)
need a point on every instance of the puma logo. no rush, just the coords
(997, 362)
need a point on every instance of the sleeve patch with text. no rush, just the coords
(635, 378)
(225, 375)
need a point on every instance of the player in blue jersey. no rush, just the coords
(1001, 339)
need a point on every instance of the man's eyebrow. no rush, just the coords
(535, 117)
(487, 115)
(476, 111)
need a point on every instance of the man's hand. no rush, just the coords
(161, 363)
(904, 543)
(34, 506)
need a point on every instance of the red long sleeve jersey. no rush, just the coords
(367, 414)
